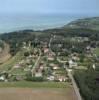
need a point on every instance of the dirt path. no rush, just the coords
(37, 94)
(4, 54)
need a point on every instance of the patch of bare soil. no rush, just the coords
(37, 94)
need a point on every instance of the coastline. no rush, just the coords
(35, 22)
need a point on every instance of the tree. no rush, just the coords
(26, 54)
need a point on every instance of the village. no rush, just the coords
(42, 62)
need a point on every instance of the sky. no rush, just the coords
(50, 6)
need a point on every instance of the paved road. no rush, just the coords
(36, 63)
(74, 84)
(50, 46)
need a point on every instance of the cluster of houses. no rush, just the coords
(38, 72)
(25, 65)
(56, 75)
(80, 39)
(54, 66)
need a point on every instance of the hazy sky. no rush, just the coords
(49, 6)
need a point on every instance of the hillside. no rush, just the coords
(4, 52)
(89, 23)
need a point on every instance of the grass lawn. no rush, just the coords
(25, 84)
(60, 71)
(18, 71)
(63, 58)
(96, 51)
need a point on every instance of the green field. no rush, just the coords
(25, 84)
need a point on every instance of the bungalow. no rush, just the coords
(46, 50)
(27, 69)
(94, 66)
(22, 62)
(24, 45)
(75, 58)
(41, 67)
(72, 64)
(54, 66)
(30, 66)
(17, 66)
(62, 78)
(50, 58)
(2, 78)
(38, 74)
(51, 78)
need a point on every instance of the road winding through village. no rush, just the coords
(36, 63)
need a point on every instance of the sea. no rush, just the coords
(15, 22)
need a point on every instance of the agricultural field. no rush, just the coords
(37, 94)
(24, 90)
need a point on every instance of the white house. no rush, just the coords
(62, 78)
(55, 67)
(46, 50)
(17, 66)
(51, 78)
(38, 74)
(72, 64)
(94, 66)
(2, 78)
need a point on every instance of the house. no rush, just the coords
(30, 66)
(50, 58)
(17, 66)
(94, 66)
(2, 78)
(62, 78)
(41, 67)
(30, 56)
(38, 74)
(24, 45)
(72, 64)
(60, 45)
(21, 62)
(88, 49)
(75, 58)
(27, 69)
(46, 50)
(55, 67)
(51, 78)
(44, 44)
